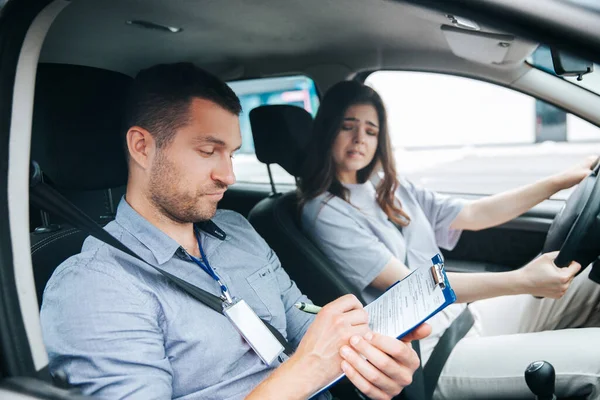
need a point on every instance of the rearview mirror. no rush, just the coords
(569, 65)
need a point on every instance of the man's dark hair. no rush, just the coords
(160, 98)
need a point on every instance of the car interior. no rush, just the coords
(75, 63)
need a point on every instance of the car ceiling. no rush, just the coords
(244, 38)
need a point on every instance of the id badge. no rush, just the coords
(254, 331)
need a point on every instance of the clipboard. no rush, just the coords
(439, 292)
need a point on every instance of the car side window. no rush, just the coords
(294, 90)
(460, 135)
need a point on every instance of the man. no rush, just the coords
(119, 329)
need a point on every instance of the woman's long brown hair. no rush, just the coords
(319, 172)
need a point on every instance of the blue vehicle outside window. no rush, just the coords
(294, 90)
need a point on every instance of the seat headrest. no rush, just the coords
(78, 130)
(281, 134)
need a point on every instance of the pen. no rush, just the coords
(308, 308)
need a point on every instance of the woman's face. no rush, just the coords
(356, 142)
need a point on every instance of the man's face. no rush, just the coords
(189, 175)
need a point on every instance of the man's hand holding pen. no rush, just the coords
(339, 340)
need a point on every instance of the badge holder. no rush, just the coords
(253, 330)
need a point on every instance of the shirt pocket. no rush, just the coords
(266, 293)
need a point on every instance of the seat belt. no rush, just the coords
(451, 336)
(47, 198)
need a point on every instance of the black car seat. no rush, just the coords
(77, 139)
(281, 133)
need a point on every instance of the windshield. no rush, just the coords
(542, 59)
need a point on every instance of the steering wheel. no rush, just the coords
(576, 228)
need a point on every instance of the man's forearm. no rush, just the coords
(295, 380)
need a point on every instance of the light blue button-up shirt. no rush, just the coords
(119, 329)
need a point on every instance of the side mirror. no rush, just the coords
(568, 65)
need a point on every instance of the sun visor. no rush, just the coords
(486, 47)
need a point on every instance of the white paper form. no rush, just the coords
(406, 304)
(403, 306)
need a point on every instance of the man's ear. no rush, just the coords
(140, 145)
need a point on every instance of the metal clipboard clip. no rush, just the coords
(436, 271)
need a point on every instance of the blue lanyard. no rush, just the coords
(208, 269)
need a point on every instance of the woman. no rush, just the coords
(376, 232)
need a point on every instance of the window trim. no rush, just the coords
(23, 28)
(561, 77)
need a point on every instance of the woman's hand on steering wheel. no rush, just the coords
(575, 174)
(542, 278)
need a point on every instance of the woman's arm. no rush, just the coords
(503, 207)
(539, 278)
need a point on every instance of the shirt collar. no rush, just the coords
(162, 246)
